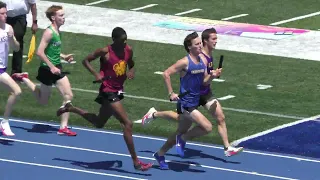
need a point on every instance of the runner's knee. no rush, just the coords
(16, 91)
(127, 125)
(207, 127)
(221, 118)
(68, 96)
(218, 113)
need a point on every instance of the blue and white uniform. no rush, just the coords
(191, 83)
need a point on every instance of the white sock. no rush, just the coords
(67, 102)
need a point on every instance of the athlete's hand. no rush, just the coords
(99, 78)
(215, 73)
(10, 33)
(130, 73)
(55, 70)
(174, 97)
(34, 28)
(69, 57)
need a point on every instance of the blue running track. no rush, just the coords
(37, 152)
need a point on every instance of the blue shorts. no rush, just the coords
(2, 70)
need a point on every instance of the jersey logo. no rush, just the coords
(4, 38)
(57, 43)
(120, 68)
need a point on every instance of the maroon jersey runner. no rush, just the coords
(114, 68)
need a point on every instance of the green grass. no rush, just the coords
(260, 12)
(294, 91)
(312, 23)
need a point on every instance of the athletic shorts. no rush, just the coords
(204, 99)
(181, 109)
(109, 97)
(3, 70)
(46, 77)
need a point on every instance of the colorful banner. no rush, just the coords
(231, 28)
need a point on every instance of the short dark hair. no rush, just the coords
(206, 34)
(188, 40)
(118, 32)
(3, 5)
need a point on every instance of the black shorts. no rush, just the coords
(181, 109)
(109, 97)
(204, 99)
(46, 77)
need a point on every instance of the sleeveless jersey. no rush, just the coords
(204, 90)
(53, 50)
(115, 69)
(4, 48)
(191, 82)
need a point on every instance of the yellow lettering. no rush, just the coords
(120, 68)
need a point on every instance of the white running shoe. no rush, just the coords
(5, 128)
(147, 118)
(231, 151)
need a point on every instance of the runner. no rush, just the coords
(7, 40)
(207, 99)
(49, 72)
(193, 74)
(114, 61)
